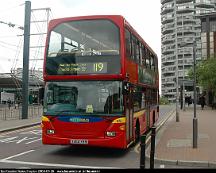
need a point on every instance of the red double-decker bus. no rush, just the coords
(101, 83)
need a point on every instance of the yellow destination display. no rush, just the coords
(83, 68)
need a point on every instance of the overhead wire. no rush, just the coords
(18, 49)
(17, 54)
(6, 46)
(12, 25)
(9, 44)
(10, 8)
(8, 36)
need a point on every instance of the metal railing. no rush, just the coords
(15, 112)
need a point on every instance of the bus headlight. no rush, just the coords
(111, 134)
(50, 131)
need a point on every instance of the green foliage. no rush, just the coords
(205, 73)
(163, 101)
(190, 73)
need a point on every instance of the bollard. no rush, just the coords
(142, 152)
(153, 133)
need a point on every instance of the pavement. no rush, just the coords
(14, 124)
(173, 141)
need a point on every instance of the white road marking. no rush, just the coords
(6, 160)
(24, 168)
(17, 155)
(8, 139)
(23, 139)
(18, 140)
(20, 130)
(34, 132)
(136, 148)
(56, 165)
(34, 141)
(3, 136)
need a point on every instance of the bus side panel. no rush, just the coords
(143, 124)
(141, 118)
(151, 117)
(131, 70)
(154, 115)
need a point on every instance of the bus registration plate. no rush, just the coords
(79, 141)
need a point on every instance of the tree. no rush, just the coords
(206, 74)
(164, 101)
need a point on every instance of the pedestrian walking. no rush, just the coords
(186, 99)
(181, 102)
(202, 101)
(189, 101)
(9, 103)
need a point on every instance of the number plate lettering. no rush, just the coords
(79, 141)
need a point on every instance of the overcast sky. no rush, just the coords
(143, 15)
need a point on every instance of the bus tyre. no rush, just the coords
(137, 132)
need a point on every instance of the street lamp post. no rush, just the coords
(183, 84)
(183, 87)
(176, 70)
(195, 120)
(177, 97)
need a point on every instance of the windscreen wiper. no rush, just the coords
(63, 111)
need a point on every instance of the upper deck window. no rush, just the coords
(84, 47)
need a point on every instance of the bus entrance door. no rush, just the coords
(129, 117)
(148, 117)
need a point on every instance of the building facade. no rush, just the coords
(11, 83)
(208, 38)
(208, 35)
(181, 33)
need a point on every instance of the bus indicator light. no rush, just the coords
(45, 119)
(111, 134)
(119, 120)
(122, 127)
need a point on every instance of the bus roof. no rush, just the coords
(116, 18)
(54, 22)
(139, 37)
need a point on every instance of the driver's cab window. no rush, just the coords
(49, 97)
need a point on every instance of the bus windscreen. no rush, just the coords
(85, 97)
